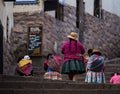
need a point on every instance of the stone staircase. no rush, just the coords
(111, 66)
(38, 85)
(35, 85)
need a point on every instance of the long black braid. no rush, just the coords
(75, 46)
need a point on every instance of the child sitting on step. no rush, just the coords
(115, 79)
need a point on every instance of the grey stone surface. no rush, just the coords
(103, 34)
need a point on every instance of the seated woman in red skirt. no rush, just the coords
(52, 67)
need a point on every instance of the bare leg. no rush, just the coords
(75, 77)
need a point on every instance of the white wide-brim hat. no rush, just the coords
(26, 57)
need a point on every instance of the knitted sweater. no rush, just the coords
(115, 79)
(72, 50)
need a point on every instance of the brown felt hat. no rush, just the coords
(73, 35)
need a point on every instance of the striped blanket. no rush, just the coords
(95, 63)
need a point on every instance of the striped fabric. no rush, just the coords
(53, 76)
(26, 70)
(73, 66)
(95, 63)
(95, 77)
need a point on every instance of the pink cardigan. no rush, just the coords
(75, 52)
(115, 79)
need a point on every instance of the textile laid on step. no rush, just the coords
(53, 68)
(53, 76)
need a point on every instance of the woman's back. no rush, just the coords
(72, 47)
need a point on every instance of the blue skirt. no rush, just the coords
(73, 66)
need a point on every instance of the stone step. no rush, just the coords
(81, 77)
(54, 85)
(113, 61)
(41, 73)
(59, 91)
(110, 67)
(34, 85)
(23, 78)
(19, 78)
(37, 62)
(113, 65)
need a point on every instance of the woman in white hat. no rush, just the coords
(25, 66)
(73, 52)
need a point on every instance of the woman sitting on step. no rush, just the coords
(52, 67)
(24, 66)
(115, 79)
(95, 68)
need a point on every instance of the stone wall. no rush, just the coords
(54, 31)
(6, 18)
(9, 64)
(99, 33)
(103, 34)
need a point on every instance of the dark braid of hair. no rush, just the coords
(70, 45)
(75, 45)
(50, 54)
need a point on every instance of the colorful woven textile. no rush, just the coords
(95, 77)
(53, 64)
(24, 62)
(95, 63)
(53, 76)
(26, 69)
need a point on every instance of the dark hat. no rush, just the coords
(96, 51)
